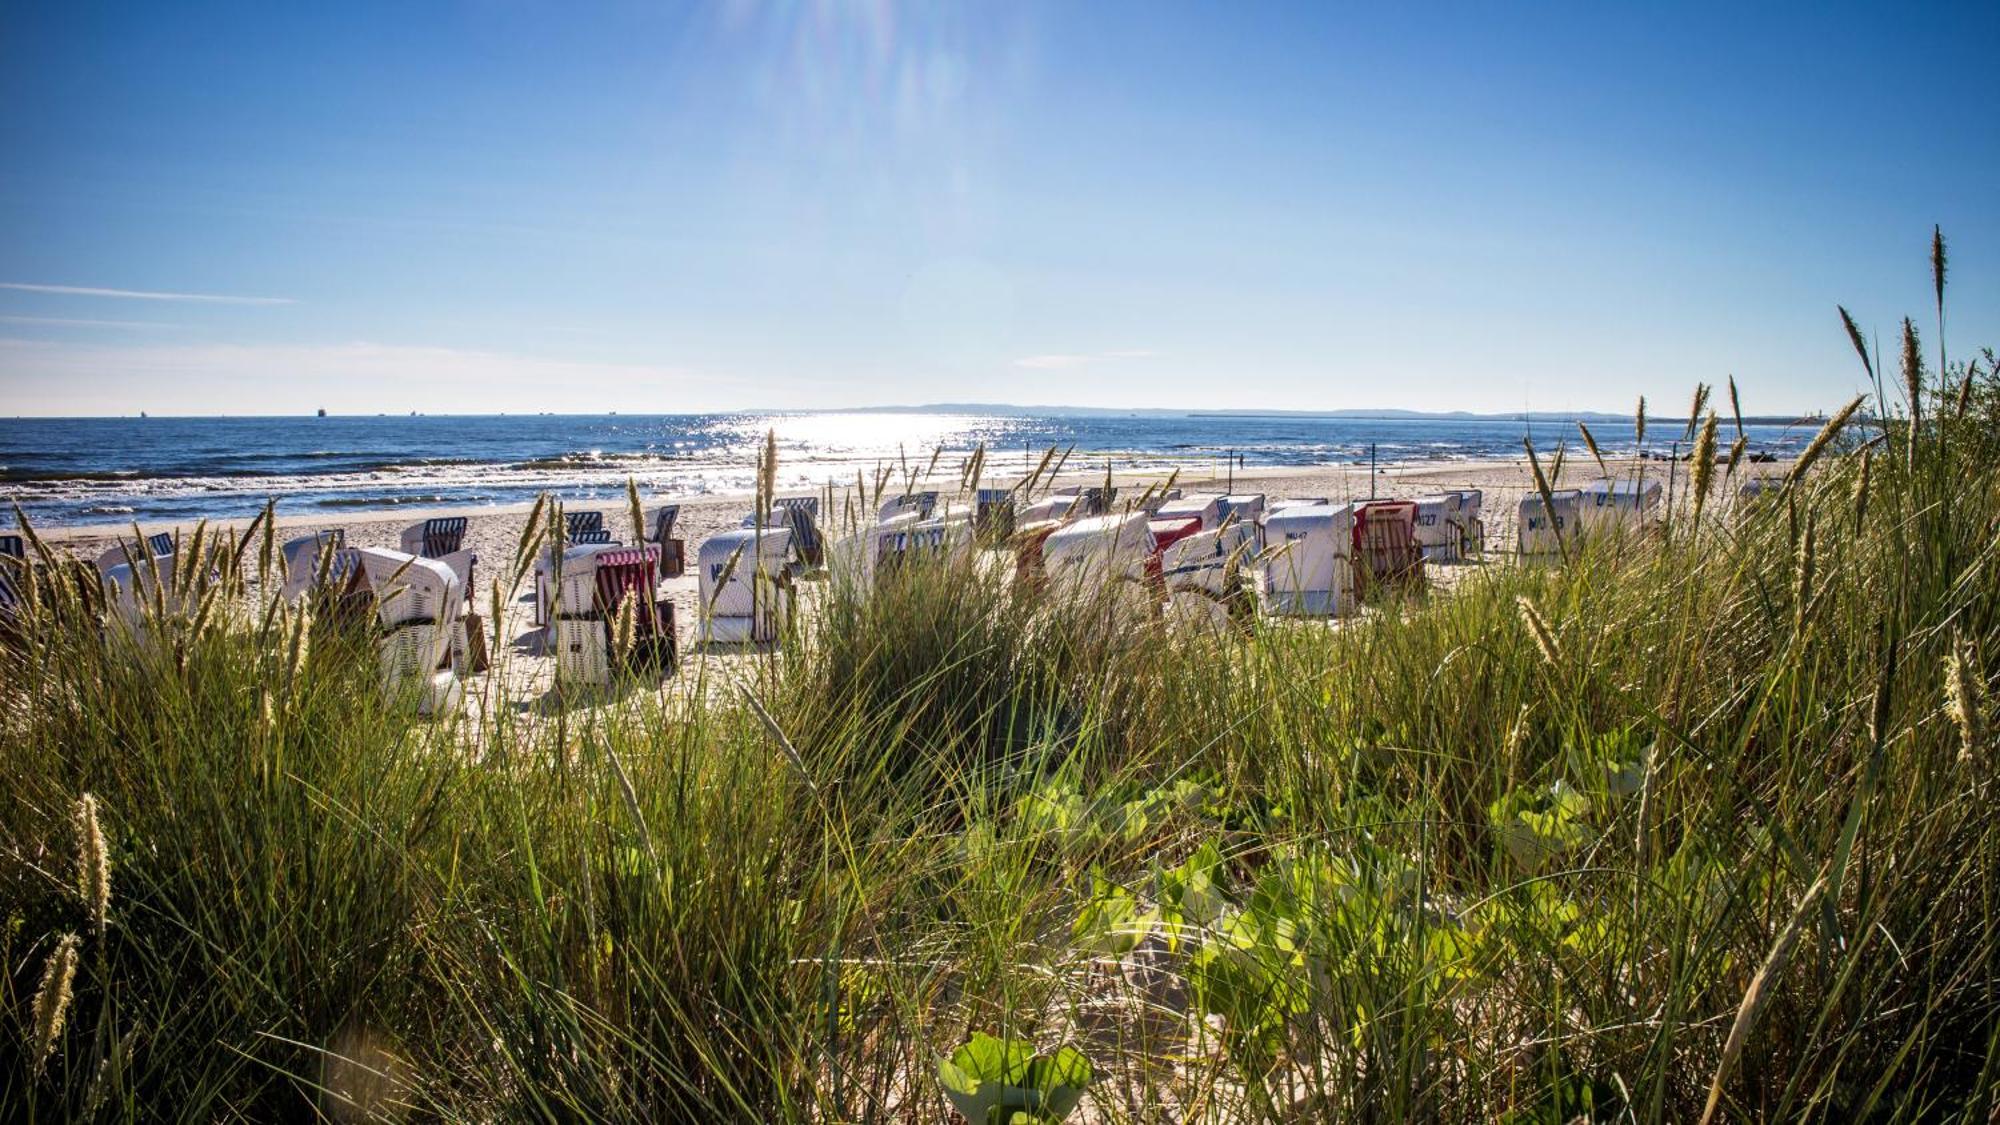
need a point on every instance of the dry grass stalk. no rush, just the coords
(1697, 408)
(1859, 499)
(1590, 443)
(635, 510)
(52, 1002)
(1639, 423)
(1823, 439)
(1737, 449)
(1803, 562)
(1759, 994)
(1736, 406)
(1860, 344)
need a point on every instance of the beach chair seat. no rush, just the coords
(1204, 506)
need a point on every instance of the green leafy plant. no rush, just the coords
(994, 1081)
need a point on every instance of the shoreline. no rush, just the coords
(1251, 478)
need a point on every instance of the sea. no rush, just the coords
(73, 471)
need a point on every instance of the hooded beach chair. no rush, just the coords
(595, 584)
(1242, 522)
(443, 538)
(1544, 528)
(1197, 585)
(1618, 507)
(1439, 536)
(418, 606)
(1204, 506)
(744, 585)
(1100, 555)
(1309, 569)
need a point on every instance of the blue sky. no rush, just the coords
(563, 206)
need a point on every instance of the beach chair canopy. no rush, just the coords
(302, 559)
(1168, 530)
(1625, 493)
(577, 523)
(1206, 507)
(591, 536)
(1056, 506)
(919, 503)
(1248, 507)
(1098, 548)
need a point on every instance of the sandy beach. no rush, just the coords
(495, 531)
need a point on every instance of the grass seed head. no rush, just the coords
(52, 1001)
(1965, 699)
(1913, 370)
(1538, 628)
(93, 862)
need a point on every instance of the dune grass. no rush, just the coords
(1701, 824)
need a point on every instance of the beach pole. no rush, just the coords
(1232, 470)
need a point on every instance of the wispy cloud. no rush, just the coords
(74, 322)
(142, 294)
(1056, 360)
